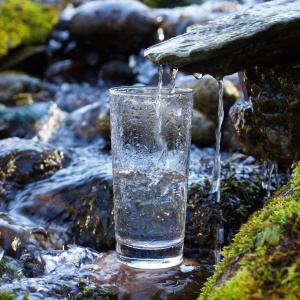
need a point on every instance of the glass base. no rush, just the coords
(142, 258)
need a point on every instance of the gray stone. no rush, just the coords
(206, 97)
(20, 89)
(25, 161)
(103, 122)
(258, 35)
(174, 21)
(178, 282)
(19, 121)
(203, 129)
(114, 26)
(267, 125)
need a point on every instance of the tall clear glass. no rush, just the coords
(150, 138)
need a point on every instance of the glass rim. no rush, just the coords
(142, 90)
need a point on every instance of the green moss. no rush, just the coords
(263, 262)
(7, 295)
(24, 22)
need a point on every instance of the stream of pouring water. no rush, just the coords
(173, 72)
(216, 177)
(217, 163)
(216, 174)
(161, 142)
(268, 168)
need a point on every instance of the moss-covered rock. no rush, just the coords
(24, 22)
(263, 262)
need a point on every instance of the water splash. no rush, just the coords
(219, 237)
(50, 124)
(173, 72)
(268, 168)
(276, 176)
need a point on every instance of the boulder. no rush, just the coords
(203, 129)
(20, 89)
(73, 209)
(114, 27)
(25, 161)
(206, 97)
(175, 21)
(103, 123)
(178, 282)
(267, 124)
(261, 34)
(117, 73)
(19, 121)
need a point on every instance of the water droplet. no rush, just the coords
(198, 75)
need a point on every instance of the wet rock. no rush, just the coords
(116, 73)
(19, 236)
(113, 27)
(47, 127)
(206, 97)
(241, 195)
(267, 124)
(56, 274)
(26, 161)
(29, 59)
(73, 96)
(179, 282)
(103, 123)
(203, 129)
(78, 129)
(206, 102)
(19, 121)
(13, 238)
(73, 209)
(175, 21)
(82, 273)
(261, 34)
(20, 89)
(262, 250)
(66, 71)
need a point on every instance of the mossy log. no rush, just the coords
(263, 262)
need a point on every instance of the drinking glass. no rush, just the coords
(150, 139)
